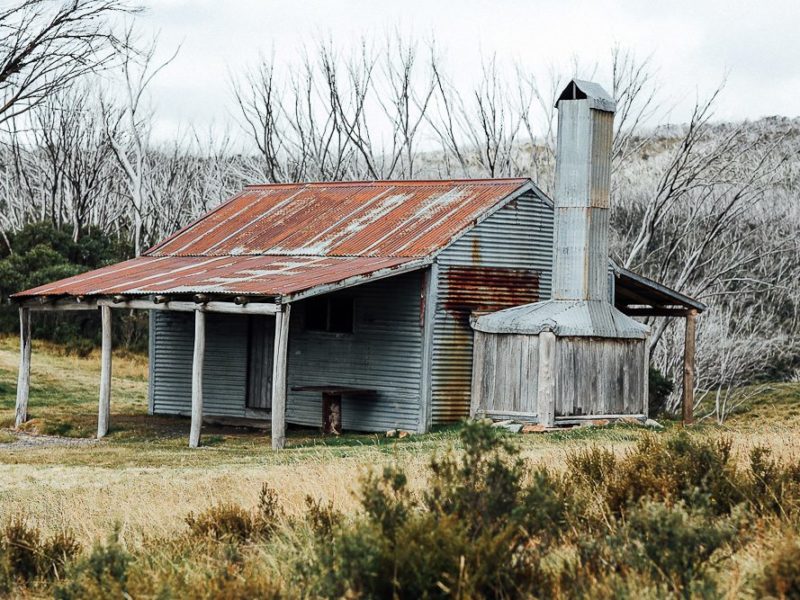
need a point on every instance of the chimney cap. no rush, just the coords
(598, 98)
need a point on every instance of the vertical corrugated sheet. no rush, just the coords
(384, 353)
(225, 368)
(519, 238)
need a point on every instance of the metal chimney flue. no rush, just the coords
(583, 173)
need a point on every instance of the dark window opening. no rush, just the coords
(334, 315)
(317, 314)
(340, 315)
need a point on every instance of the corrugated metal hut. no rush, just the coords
(343, 303)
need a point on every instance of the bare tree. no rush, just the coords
(128, 126)
(45, 45)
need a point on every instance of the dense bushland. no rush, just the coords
(40, 253)
(675, 516)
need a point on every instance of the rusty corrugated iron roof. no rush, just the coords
(367, 218)
(246, 275)
(283, 239)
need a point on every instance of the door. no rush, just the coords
(261, 331)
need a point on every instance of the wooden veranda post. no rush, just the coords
(197, 376)
(279, 365)
(547, 374)
(688, 368)
(24, 377)
(104, 408)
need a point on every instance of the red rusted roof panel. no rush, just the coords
(247, 275)
(273, 240)
(375, 219)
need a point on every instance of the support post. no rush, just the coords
(688, 368)
(104, 408)
(332, 413)
(197, 377)
(546, 397)
(24, 376)
(279, 364)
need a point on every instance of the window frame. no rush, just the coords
(326, 298)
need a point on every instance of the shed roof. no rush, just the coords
(284, 239)
(363, 218)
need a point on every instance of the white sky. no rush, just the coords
(693, 44)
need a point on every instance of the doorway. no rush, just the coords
(261, 333)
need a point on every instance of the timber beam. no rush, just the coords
(45, 304)
(213, 306)
(654, 311)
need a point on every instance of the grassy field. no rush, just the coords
(144, 477)
(144, 480)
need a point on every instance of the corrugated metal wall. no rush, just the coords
(225, 366)
(515, 248)
(383, 353)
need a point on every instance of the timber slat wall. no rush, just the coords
(592, 376)
(520, 237)
(599, 376)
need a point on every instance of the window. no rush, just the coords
(332, 314)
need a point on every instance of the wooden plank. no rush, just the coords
(477, 399)
(654, 311)
(60, 305)
(24, 375)
(253, 308)
(688, 368)
(151, 363)
(279, 366)
(546, 383)
(104, 408)
(197, 377)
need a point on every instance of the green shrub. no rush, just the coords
(678, 469)
(323, 518)
(774, 488)
(27, 556)
(478, 530)
(659, 389)
(231, 522)
(780, 577)
(102, 574)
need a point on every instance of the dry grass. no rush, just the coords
(145, 479)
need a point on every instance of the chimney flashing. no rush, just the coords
(578, 89)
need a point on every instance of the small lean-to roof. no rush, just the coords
(633, 289)
(284, 239)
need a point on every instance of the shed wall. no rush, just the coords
(600, 377)
(384, 353)
(224, 368)
(593, 376)
(511, 390)
(514, 248)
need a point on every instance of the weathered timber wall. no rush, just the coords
(593, 376)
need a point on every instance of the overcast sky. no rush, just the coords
(693, 44)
